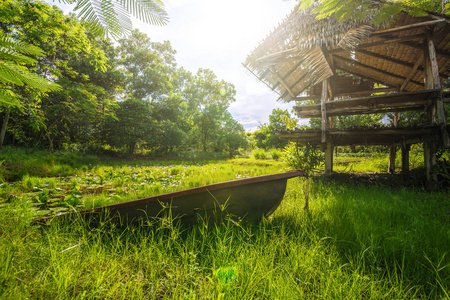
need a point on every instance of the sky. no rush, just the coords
(219, 35)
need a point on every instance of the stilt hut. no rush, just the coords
(355, 67)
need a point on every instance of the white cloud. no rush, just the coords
(218, 35)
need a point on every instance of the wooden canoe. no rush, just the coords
(249, 199)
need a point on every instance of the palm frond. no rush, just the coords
(7, 42)
(7, 97)
(113, 16)
(355, 36)
(12, 73)
(13, 58)
(149, 11)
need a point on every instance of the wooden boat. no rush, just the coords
(249, 199)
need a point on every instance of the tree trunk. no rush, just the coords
(4, 126)
(50, 141)
(132, 146)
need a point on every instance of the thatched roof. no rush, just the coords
(302, 51)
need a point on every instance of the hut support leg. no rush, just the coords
(405, 159)
(329, 159)
(430, 162)
(392, 160)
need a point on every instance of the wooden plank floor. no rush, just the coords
(379, 136)
(398, 102)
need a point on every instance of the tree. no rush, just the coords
(150, 66)
(207, 102)
(101, 16)
(15, 61)
(132, 125)
(70, 58)
(279, 120)
(231, 136)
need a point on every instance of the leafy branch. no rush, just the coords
(104, 17)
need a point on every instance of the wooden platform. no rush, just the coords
(398, 102)
(381, 136)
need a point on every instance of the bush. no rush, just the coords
(259, 154)
(307, 158)
(276, 154)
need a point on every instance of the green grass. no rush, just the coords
(356, 242)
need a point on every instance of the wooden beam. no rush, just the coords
(408, 27)
(396, 61)
(361, 65)
(429, 157)
(386, 58)
(441, 120)
(277, 54)
(409, 101)
(277, 77)
(331, 87)
(420, 47)
(434, 64)
(329, 159)
(357, 94)
(391, 164)
(383, 41)
(289, 73)
(260, 78)
(405, 159)
(295, 83)
(323, 110)
(368, 77)
(385, 136)
(411, 73)
(316, 113)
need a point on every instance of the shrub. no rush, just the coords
(259, 154)
(307, 158)
(276, 154)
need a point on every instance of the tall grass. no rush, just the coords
(355, 242)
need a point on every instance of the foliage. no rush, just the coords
(276, 154)
(207, 100)
(381, 11)
(259, 154)
(104, 17)
(265, 137)
(231, 136)
(133, 124)
(307, 158)
(149, 66)
(73, 60)
(14, 72)
(183, 111)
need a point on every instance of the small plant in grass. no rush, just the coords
(307, 158)
(73, 199)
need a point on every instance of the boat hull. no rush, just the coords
(244, 199)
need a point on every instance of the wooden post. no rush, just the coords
(393, 150)
(329, 159)
(331, 86)
(323, 110)
(391, 166)
(405, 159)
(436, 84)
(429, 155)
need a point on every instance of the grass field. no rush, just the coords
(357, 241)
